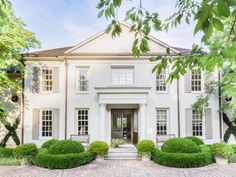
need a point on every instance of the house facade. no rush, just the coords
(98, 89)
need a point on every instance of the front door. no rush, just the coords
(122, 125)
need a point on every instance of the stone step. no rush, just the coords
(122, 158)
(122, 154)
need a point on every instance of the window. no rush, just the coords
(122, 76)
(82, 116)
(162, 115)
(197, 123)
(161, 81)
(47, 80)
(82, 79)
(46, 123)
(196, 80)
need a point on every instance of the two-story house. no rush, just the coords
(98, 88)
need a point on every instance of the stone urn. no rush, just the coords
(146, 158)
(221, 161)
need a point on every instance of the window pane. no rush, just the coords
(82, 121)
(47, 80)
(46, 123)
(196, 80)
(161, 81)
(82, 79)
(197, 123)
(162, 121)
(122, 76)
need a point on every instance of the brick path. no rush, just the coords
(121, 168)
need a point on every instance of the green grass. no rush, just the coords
(9, 161)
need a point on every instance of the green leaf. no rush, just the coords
(231, 2)
(100, 13)
(223, 8)
(112, 10)
(218, 24)
(168, 50)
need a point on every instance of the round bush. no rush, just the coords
(196, 140)
(99, 148)
(49, 143)
(66, 147)
(26, 151)
(222, 150)
(183, 160)
(145, 147)
(180, 145)
(6, 152)
(62, 161)
(234, 147)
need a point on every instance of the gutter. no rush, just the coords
(178, 108)
(66, 95)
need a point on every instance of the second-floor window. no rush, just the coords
(161, 81)
(196, 80)
(47, 80)
(122, 76)
(82, 79)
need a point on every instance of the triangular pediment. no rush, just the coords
(104, 43)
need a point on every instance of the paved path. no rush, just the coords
(121, 168)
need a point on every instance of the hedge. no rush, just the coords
(62, 161)
(183, 160)
(6, 152)
(49, 143)
(180, 145)
(26, 151)
(66, 147)
(234, 147)
(195, 139)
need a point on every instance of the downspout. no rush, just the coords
(66, 94)
(178, 108)
(220, 106)
(22, 102)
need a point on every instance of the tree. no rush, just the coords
(14, 40)
(215, 18)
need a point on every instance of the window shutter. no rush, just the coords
(208, 123)
(55, 124)
(36, 80)
(35, 124)
(55, 79)
(187, 82)
(188, 119)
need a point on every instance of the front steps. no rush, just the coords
(123, 152)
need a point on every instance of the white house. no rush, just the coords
(98, 88)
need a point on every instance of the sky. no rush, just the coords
(61, 23)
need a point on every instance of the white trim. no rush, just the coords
(167, 121)
(40, 124)
(203, 126)
(125, 67)
(77, 69)
(41, 79)
(76, 119)
(202, 83)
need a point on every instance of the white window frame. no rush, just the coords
(203, 125)
(77, 79)
(42, 80)
(167, 85)
(77, 120)
(41, 124)
(122, 68)
(202, 83)
(167, 119)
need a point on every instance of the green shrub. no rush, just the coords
(183, 160)
(145, 147)
(6, 152)
(99, 148)
(232, 159)
(9, 161)
(26, 151)
(66, 147)
(222, 150)
(116, 142)
(195, 139)
(180, 145)
(49, 143)
(234, 147)
(62, 161)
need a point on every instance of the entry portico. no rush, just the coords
(122, 98)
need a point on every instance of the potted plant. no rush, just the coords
(99, 148)
(145, 148)
(116, 142)
(222, 152)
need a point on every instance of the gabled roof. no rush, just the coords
(102, 44)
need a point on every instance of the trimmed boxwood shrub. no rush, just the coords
(62, 161)
(183, 160)
(66, 147)
(180, 145)
(222, 150)
(99, 148)
(195, 139)
(6, 152)
(234, 147)
(49, 143)
(26, 151)
(145, 147)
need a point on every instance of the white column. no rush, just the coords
(102, 121)
(142, 122)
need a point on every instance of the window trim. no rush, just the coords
(41, 124)
(167, 85)
(167, 120)
(41, 80)
(77, 121)
(122, 67)
(77, 69)
(203, 126)
(202, 82)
